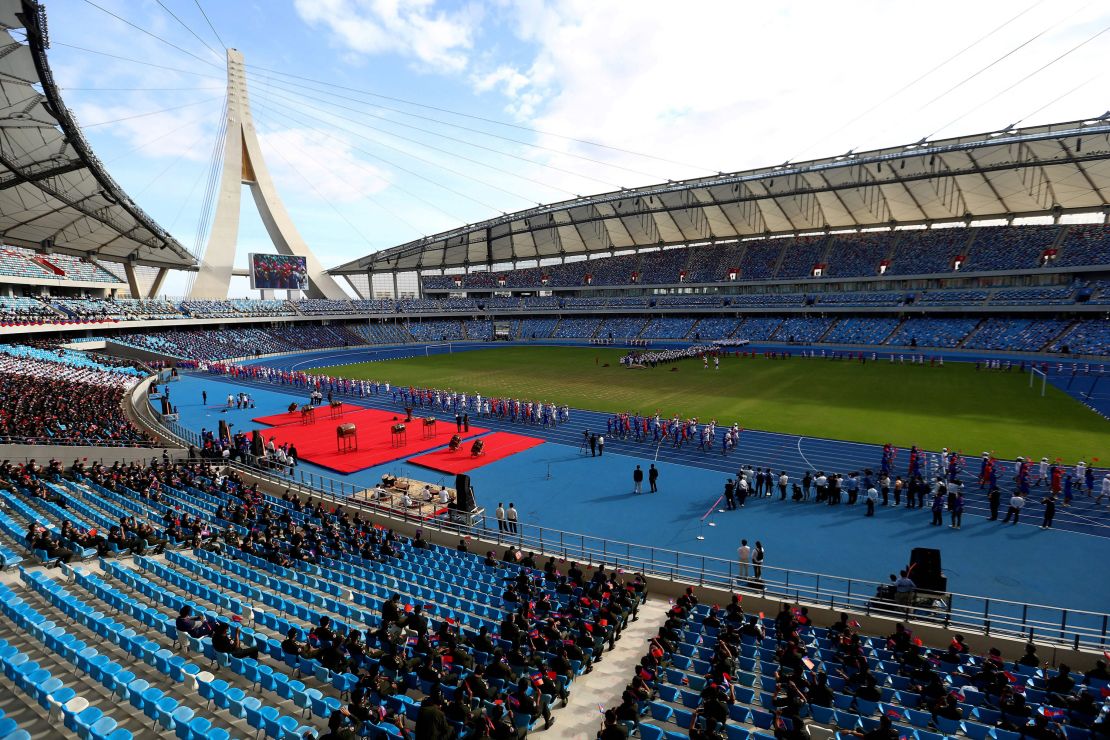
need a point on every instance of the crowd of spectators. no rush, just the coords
(714, 672)
(26, 311)
(63, 397)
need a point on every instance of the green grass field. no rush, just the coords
(952, 406)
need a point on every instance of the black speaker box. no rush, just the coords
(465, 494)
(927, 573)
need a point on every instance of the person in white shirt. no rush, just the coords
(1016, 502)
(500, 514)
(784, 480)
(872, 497)
(444, 497)
(1105, 490)
(744, 556)
(511, 517)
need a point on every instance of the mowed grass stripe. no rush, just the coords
(953, 406)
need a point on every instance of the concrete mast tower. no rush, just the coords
(243, 164)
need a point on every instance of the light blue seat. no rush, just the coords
(235, 698)
(257, 715)
(735, 732)
(178, 718)
(84, 721)
(660, 711)
(197, 727)
(919, 719)
(976, 730)
(102, 728)
(821, 715)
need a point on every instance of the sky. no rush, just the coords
(382, 121)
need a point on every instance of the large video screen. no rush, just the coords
(278, 272)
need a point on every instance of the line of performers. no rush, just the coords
(676, 431)
(540, 413)
(1027, 473)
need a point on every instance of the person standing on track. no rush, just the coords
(500, 515)
(600, 445)
(1016, 502)
(653, 478)
(511, 518)
(637, 480)
(743, 556)
(757, 560)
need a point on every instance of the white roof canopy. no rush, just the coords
(53, 189)
(1046, 170)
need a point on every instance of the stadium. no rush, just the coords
(809, 450)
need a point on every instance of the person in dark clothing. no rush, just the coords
(653, 478)
(526, 704)
(994, 499)
(223, 642)
(431, 723)
(611, 729)
(339, 727)
(191, 625)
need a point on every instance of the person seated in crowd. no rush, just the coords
(39, 538)
(225, 641)
(191, 625)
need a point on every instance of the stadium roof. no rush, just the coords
(1046, 170)
(52, 186)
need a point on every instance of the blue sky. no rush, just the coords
(696, 87)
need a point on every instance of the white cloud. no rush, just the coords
(319, 168)
(185, 133)
(728, 85)
(436, 38)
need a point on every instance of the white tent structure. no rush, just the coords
(55, 195)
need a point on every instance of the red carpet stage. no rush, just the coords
(322, 413)
(316, 443)
(499, 445)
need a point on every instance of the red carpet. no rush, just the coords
(323, 413)
(499, 445)
(316, 442)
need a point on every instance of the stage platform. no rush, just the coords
(498, 446)
(321, 413)
(316, 442)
